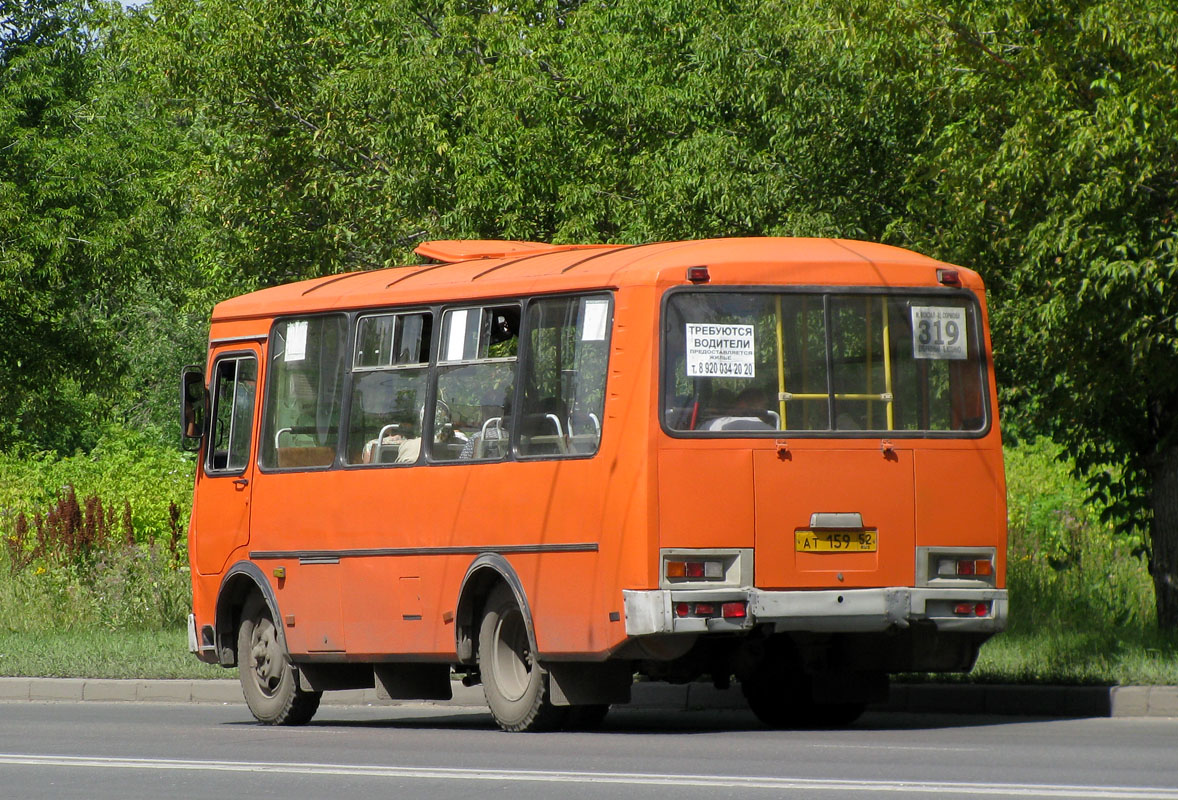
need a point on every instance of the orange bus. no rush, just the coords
(556, 469)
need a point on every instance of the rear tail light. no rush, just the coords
(737, 609)
(972, 609)
(695, 570)
(964, 567)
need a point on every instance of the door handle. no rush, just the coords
(241, 483)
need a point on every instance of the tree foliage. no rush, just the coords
(1051, 164)
(87, 219)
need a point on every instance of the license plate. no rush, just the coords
(866, 541)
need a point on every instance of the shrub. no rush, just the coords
(1067, 568)
(116, 559)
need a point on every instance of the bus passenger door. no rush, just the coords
(221, 512)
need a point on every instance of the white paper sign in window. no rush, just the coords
(720, 351)
(596, 316)
(296, 341)
(456, 343)
(938, 332)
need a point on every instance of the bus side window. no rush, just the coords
(233, 414)
(564, 389)
(304, 392)
(476, 380)
(390, 366)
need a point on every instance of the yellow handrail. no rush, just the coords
(882, 397)
(870, 407)
(780, 369)
(887, 354)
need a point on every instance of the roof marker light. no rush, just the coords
(949, 277)
(698, 274)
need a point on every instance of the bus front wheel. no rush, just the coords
(268, 680)
(515, 684)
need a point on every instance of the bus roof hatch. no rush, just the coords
(451, 251)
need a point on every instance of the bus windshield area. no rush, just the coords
(747, 363)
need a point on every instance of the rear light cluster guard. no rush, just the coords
(972, 567)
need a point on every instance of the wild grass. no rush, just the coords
(158, 653)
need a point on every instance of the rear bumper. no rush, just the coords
(819, 610)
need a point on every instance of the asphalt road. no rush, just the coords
(132, 750)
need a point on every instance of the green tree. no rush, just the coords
(51, 253)
(90, 230)
(1051, 164)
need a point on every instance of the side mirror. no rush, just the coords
(194, 403)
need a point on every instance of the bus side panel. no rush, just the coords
(706, 497)
(561, 586)
(382, 603)
(398, 581)
(302, 513)
(617, 510)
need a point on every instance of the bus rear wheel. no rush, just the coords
(779, 704)
(268, 679)
(781, 694)
(515, 684)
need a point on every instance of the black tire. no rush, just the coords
(268, 679)
(515, 684)
(780, 705)
(835, 715)
(780, 694)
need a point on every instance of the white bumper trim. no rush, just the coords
(820, 610)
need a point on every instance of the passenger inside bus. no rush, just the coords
(749, 412)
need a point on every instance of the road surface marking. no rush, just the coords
(957, 788)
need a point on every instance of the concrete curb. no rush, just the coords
(1033, 701)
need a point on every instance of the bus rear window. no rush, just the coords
(758, 362)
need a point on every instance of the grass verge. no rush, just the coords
(1107, 658)
(103, 654)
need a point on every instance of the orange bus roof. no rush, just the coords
(487, 269)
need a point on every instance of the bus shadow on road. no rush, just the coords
(656, 722)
